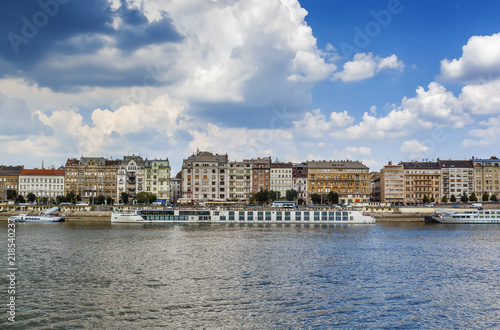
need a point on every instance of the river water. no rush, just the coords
(387, 275)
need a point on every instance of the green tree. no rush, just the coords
(261, 197)
(444, 199)
(11, 194)
(60, 199)
(274, 195)
(31, 197)
(20, 199)
(291, 195)
(78, 198)
(493, 198)
(425, 200)
(124, 197)
(316, 199)
(44, 200)
(473, 197)
(100, 199)
(453, 199)
(464, 198)
(70, 197)
(486, 197)
(432, 200)
(144, 198)
(333, 197)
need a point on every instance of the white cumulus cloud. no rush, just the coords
(365, 66)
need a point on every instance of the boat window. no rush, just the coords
(268, 216)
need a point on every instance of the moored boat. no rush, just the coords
(50, 215)
(244, 216)
(479, 216)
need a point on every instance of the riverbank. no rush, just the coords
(103, 216)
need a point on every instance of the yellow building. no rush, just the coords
(157, 173)
(347, 178)
(487, 177)
(90, 177)
(9, 180)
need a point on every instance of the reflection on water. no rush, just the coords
(403, 275)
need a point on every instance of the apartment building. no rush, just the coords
(421, 179)
(349, 179)
(281, 178)
(42, 183)
(9, 179)
(90, 177)
(157, 178)
(261, 176)
(240, 180)
(392, 184)
(205, 177)
(457, 177)
(299, 180)
(130, 178)
(487, 177)
(176, 188)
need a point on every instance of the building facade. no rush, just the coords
(392, 184)
(261, 174)
(240, 180)
(89, 177)
(375, 187)
(9, 179)
(486, 177)
(205, 177)
(299, 181)
(349, 179)
(176, 188)
(281, 178)
(421, 179)
(42, 183)
(130, 178)
(157, 179)
(457, 178)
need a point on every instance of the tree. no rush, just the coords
(493, 198)
(44, 200)
(70, 197)
(11, 194)
(20, 199)
(31, 197)
(78, 198)
(486, 197)
(453, 199)
(100, 199)
(425, 200)
(60, 199)
(333, 197)
(144, 198)
(291, 195)
(274, 195)
(124, 197)
(432, 200)
(473, 197)
(464, 198)
(316, 198)
(262, 196)
(444, 199)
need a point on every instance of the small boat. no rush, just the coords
(50, 215)
(471, 216)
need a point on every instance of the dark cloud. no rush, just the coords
(37, 33)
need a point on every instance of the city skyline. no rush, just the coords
(294, 80)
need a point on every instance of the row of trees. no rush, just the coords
(141, 198)
(464, 198)
(265, 196)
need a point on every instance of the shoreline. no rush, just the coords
(105, 216)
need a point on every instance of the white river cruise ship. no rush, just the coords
(472, 216)
(244, 216)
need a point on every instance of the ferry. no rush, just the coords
(244, 216)
(47, 216)
(473, 216)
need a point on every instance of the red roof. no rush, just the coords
(37, 171)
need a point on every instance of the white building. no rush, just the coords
(204, 177)
(42, 182)
(240, 180)
(281, 178)
(130, 178)
(176, 188)
(157, 172)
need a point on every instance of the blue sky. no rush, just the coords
(296, 80)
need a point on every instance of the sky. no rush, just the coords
(297, 80)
